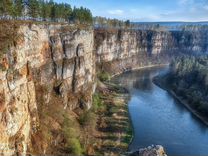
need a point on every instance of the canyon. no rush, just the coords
(54, 67)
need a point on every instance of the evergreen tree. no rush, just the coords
(18, 7)
(67, 11)
(1, 8)
(6, 7)
(33, 8)
(46, 10)
(53, 12)
(127, 23)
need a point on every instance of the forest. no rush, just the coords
(42, 10)
(189, 79)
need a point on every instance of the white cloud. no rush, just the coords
(183, 2)
(205, 7)
(186, 10)
(117, 12)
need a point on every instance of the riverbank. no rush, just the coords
(161, 82)
(117, 135)
(114, 131)
(139, 68)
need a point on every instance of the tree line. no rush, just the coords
(102, 22)
(43, 10)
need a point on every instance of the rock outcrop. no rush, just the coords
(157, 150)
(47, 65)
(54, 66)
(121, 50)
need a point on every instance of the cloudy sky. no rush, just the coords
(147, 10)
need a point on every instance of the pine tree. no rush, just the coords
(67, 11)
(33, 8)
(18, 7)
(1, 8)
(53, 13)
(6, 7)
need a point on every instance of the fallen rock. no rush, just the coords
(157, 150)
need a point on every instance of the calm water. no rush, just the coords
(158, 118)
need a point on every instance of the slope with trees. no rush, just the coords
(42, 10)
(188, 80)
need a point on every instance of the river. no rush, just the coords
(157, 118)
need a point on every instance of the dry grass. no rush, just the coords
(8, 35)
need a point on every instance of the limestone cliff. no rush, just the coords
(48, 64)
(50, 70)
(121, 50)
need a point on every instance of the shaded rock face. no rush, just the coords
(192, 40)
(45, 62)
(122, 50)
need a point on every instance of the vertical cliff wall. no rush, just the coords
(49, 64)
(192, 39)
(121, 50)
(50, 70)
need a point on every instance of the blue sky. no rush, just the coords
(147, 10)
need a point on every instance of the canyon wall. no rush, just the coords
(52, 67)
(49, 64)
(121, 50)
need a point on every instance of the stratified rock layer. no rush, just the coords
(51, 64)
(45, 62)
(121, 50)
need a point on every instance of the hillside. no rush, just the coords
(188, 80)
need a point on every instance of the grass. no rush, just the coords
(113, 122)
(88, 118)
(8, 35)
(98, 104)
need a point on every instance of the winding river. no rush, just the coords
(158, 118)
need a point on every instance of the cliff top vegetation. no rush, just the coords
(41, 10)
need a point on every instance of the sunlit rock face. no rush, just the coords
(52, 64)
(122, 50)
(46, 62)
(157, 150)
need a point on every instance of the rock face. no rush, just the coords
(121, 50)
(51, 64)
(151, 151)
(45, 62)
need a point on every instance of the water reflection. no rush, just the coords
(160, 119)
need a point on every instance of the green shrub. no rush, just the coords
(88, 118)
(103, 76)
(71, 135)
(97, 101)
(75, 147)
